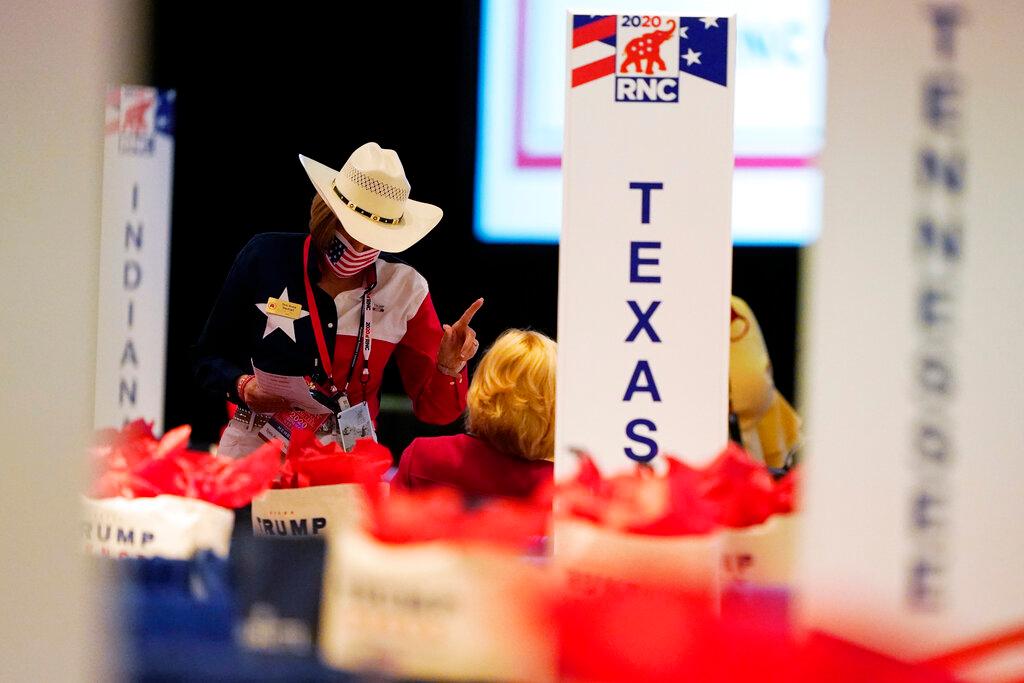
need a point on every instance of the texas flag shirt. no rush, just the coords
(243, 330)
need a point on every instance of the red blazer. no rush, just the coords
(471, 465)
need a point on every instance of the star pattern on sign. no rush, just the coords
(705, 53)
(682, 32)
(163, 119)
(280, 322)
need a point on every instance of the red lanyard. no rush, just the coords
(364, 339)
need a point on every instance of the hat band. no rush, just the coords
(363, 212)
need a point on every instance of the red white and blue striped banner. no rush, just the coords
(593, 47)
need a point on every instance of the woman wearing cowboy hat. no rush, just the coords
(326, 306)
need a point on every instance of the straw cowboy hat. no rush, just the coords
(370, 196)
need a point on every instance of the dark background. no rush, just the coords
(256, 87)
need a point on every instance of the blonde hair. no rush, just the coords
(322, 223)
(511, 401)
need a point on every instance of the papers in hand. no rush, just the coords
(293, 388)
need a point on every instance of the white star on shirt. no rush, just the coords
(691, 57)
(709, 22)
(682, 32)
(280, 322)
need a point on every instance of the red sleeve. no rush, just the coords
(403, 477)
(436, 397)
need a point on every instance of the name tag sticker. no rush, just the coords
(285, 309)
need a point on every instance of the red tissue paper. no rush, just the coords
(786, 490)
(824, 657)
(734, 490)
(742, 489)
(133, 463)
(311, 463)
(659, 635)
(638, 635)
(441, 513)
(638, 502)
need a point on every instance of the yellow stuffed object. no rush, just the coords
(769, 426)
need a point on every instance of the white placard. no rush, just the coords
(644, 271)
(435, 611)
(134, 252)
(310, 512)
(171, 527)
(915, 378)
(595, 560)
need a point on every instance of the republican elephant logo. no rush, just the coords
(644, 51)
(135, 117)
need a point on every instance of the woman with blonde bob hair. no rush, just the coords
(510, 441)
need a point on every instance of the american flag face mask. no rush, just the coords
(344, 261)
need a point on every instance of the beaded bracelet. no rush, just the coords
(242, 382)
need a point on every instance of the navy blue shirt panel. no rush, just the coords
(234, 338)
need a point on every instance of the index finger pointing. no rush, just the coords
(470, 312)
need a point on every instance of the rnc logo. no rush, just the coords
(646, 89)
(136, 114)
(135, 125)
(648, 63)
(651, 57)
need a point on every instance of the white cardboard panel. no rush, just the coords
(138, 158)
(686, 146)
(913, 374)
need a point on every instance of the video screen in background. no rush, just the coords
(779, 117)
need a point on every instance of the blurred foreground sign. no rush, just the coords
(644, 271)
(915, 377)
(134, 251)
